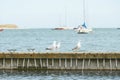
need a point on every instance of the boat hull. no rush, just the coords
(1, 29)
(84, 31)
(62, 28)
(58, 29)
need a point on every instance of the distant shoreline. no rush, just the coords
(8, 26)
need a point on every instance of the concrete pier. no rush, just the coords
(60, 61)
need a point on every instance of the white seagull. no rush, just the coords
(77, 47)
(52, 47)
(58, 45)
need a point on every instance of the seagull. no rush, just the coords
(52, 47)
(31, 49)
(11, 50)
(58, 45)
(78, 46)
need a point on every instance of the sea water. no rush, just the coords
(37, 75)
(100, 40)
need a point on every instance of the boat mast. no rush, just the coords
(59, 20)
(65, 16)
(65, 13)
(84, 17)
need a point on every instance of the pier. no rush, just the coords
(83, 61)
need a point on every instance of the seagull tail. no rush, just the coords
(47, 48)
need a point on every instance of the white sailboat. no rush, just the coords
(83, 29)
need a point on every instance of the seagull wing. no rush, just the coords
(58, 45)
(75, 48)
(49, 48)
(52, 47)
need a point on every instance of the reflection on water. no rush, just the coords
(59, 75)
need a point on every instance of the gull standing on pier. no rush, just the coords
(52, 47)
(78, 46)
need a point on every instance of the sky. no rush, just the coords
(56, 13)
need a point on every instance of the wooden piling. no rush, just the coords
(60, 61)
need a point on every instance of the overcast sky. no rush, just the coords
(51, 13)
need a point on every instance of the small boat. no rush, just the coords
(61, 28)
(1, 29)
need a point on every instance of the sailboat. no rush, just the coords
(65, 27)
(62, 27)
(83, 29)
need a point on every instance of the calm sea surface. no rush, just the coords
(102, 40)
